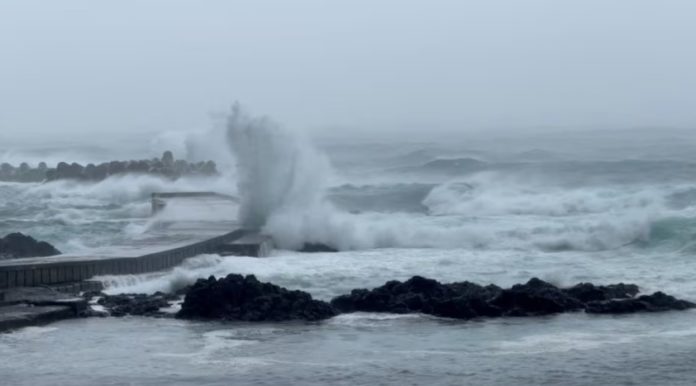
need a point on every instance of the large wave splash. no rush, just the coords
(283, 180)
(280, 174)
(282, 185)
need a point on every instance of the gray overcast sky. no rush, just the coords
(135, 66)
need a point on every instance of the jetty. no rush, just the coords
(194, 223)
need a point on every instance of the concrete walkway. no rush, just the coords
(43, 289)
(187, 226)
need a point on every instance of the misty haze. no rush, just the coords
(351, 193)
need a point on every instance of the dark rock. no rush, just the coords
(89, 295)
(316, 247)
(167, 167)
(463, 300)
(101, 172)
(241, 298)
(75, 171)
(62, 170)
(246, 299)
(90, 172)
(141, 166)
(472, 300)
(657, 302)
(6, 168)
(587, 292)
(116, 167)
(51, 175)
(136, 304)
(65, 171)
(17, 245)
(536, 297)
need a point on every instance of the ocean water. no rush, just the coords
(604, 207)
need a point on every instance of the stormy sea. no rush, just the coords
(600, 206)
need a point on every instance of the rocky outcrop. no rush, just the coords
(536, 297)
(588, 292)
(136, 304)
(244, 298)
(421, 295)
(167, 166)
(467, 300)
(237, 297)
(657, 302)
(16, 245)
(316, 248)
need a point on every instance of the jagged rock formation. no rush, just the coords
(657, 302)
(167, 166)
(17, 245)
(317, 247)
(240, 298)
(467, 300)
(237, 297)
(134, 304)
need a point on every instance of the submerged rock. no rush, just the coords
(657, 302)
(237, 297)
(316, 247)
(17, 245)
(135, 304)
(467, 300)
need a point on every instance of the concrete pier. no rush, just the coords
(170, 239)
(40, 290)
(71, 269)
(31, 306)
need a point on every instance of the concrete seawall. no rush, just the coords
(47, 272)
(39, 290)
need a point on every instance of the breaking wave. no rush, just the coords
(284, 191)
(279, 172)
(77, 215)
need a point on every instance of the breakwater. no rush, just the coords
(51, 271)
(166, 166)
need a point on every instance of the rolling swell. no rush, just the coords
(495, 211)
(569, 173)
(381, 198)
